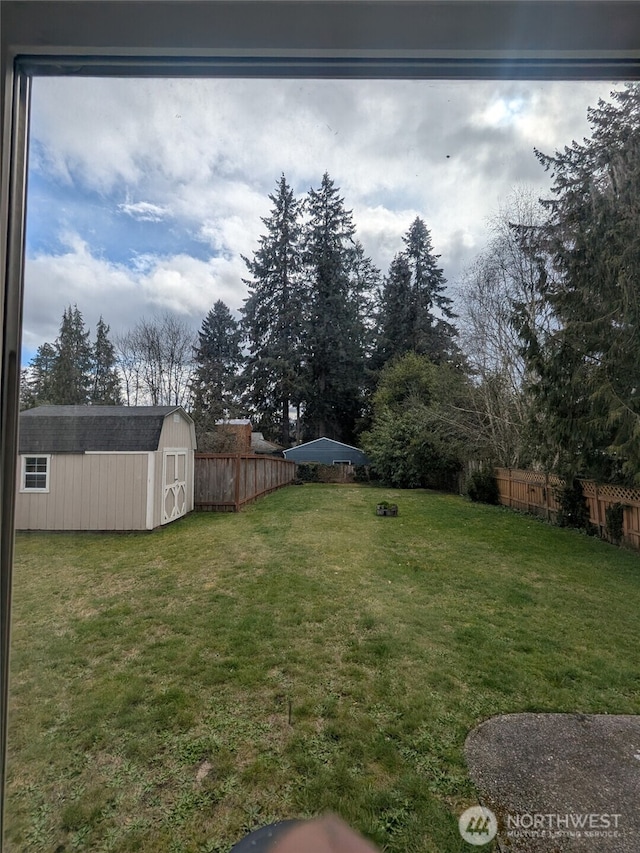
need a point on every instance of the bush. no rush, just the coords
(361, 474)
(308, 472)
(316, 472)
(615, 521)
(482, 487)
(574, 510)
(407, 453)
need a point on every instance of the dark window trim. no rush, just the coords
(431, 39)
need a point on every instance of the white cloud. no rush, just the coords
(144, 211)
(203, 155)
(121, 294)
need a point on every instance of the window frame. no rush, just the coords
(367, 39)
(24, 489)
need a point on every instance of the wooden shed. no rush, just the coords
(327, 451)
(104, 467)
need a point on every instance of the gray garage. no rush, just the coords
(327, 451)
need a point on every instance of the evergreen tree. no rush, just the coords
(585, 367)
(218, 358)
(431, 334)
(396, 314)
(71, 375)
(415, 311)
(106, 390)
(273, 318)
(36, 385)
(365, 287)
(335, 334)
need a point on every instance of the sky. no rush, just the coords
(143, 195)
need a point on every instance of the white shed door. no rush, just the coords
(174, 482)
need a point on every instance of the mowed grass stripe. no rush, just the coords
(173, 691)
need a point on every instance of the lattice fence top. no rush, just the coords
(606, 492)
(619, 494)
(518, 475)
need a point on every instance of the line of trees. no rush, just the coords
(150, 364)
(545, 371)
(72, 370)
(320, 321)
(319, 324)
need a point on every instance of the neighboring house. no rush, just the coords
(233, 435)
(104, 467)
(326, 451)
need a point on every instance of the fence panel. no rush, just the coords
(533, 492)
(225, 482)
(529, 491)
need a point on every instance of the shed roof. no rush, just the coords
(77, 429)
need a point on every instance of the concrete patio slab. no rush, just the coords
(560, 782)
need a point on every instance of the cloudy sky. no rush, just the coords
(144, 194)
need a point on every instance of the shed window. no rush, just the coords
(35, 473)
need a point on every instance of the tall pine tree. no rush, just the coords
(335, 334)
(218, 357)
(71, 376)
(585, 367)
(36, 387)
(106, 389)
(273, 318)
(415, 310)
(433, 335)
(396, 313)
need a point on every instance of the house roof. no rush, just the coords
(260, 445)
(323, 439)
(77, 429)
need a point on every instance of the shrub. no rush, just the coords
(316, 472)
(615, 521)
(482, 487)
(406, 451)
(361, 474)
(308, 472)
(573, 508)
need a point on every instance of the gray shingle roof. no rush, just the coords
(76, 429)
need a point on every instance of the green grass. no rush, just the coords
(172, 691)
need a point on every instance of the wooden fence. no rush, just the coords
(533, 492)
(225, 482)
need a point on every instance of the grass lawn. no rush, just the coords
(172, 691)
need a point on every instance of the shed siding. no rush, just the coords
(157, 479)
(176, 434)
(104, 491)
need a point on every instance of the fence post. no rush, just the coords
(598, 515)
(546, 495)
(509, 489)
(236, 497)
